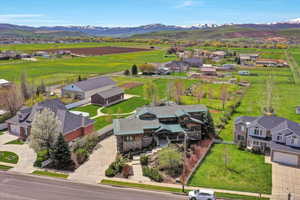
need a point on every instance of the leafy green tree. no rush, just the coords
(61, 155)
(134, 70)
(126, 72)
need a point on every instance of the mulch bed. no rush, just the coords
(96, 51)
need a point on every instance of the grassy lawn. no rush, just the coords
(101, 122)
(17, 141)
(5, 168)
(66, 70)
(245, 171)
(1, 132)
(8, 157)
(173, 190)
(126, 106)
(91, 109)
(51, 174)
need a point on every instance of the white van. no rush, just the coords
(202, 195)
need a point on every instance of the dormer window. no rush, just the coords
(294, 140)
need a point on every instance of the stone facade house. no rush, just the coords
(160, 125)
(275, 135)
(72, 126)
(86, 88)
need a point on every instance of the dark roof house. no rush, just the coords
(72, 125)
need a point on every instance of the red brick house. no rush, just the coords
(72, 126)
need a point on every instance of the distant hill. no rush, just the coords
(288, 30)
(245, 31)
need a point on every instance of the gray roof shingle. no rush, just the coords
(94, 83)
(111, 92)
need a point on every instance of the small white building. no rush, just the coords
(4, 83)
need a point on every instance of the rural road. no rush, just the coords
(20, 187)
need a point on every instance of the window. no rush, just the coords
(242, 128)
(294, 140)
(279, 137)
(240, 137)
(129, 138)
(256, 131)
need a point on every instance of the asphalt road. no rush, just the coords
(20, 187)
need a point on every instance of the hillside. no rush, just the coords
(226, 32)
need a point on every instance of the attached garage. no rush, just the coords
(285, 158)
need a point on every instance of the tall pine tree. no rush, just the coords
(134, 70)
(61, 155)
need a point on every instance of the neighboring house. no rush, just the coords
(244, 73)
(108, 97)
(298, 110)
(271, 63)
(87, 88)
(72, 126)
(226, 67)
(248, 59)
(208, 71)
(161, 125)
(177, 66)
(275, 135)
(218, 55)
(194, 62)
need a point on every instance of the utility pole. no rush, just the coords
(184, 161)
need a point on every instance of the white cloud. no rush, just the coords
(187, 3)
(18, 16)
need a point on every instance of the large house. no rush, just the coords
(194, 62)
(271, 63)
(102, 90)
(178, 66)
(72, 126)
(275, 135)
(248, 59)
(161, 125)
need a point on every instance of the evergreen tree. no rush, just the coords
(61, 155)
(134, 70)
(79, 78)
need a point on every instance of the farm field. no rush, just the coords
(54, 71)
(97, 51)
(35, 47)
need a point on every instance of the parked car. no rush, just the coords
(202, 195)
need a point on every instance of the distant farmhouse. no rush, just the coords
(194, 62)
(102, 91)
(72, 126)
(161, 125)
(271, 63)
(248, 59)
(275, 135)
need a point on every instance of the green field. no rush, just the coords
(17, 142)
(5, 168)
(245, 171)
(67, 69)
(8, 157)
(126, 106)
(35, 47)
(91, 109)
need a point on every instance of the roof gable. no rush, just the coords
(94, 83)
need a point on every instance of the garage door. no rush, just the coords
(15, 129)
(285, 158)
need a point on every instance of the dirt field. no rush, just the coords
(97, 51)
(130, 85)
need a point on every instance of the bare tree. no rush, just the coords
(178, 89)
(151, 92)
(24, 86)
(13, 99)
(45, 130)
(224, 96)
(198, 92)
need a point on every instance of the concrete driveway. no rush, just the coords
(27, 156)
(285, 180)
(93, 170)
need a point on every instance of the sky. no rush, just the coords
(113, 13)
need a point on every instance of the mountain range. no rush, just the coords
(148, 31)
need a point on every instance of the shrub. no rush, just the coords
(42, 156)
(127, 171)
(170, 160)
(81, 155)
(152, 173)
(110, 172)
(115, 167)
(144, 160)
